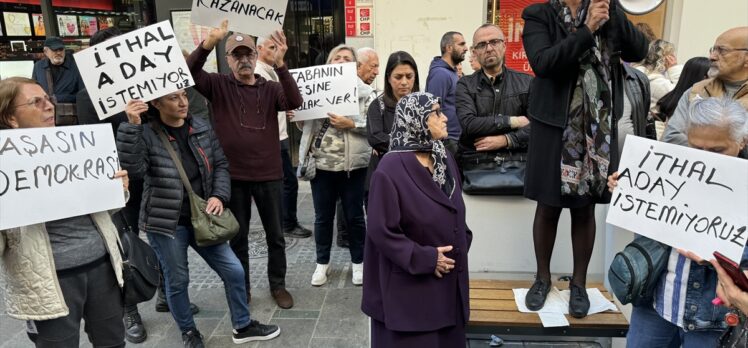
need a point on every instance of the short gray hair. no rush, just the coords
(261, 40)
(363, 54)
(720, 112)
(339, 48)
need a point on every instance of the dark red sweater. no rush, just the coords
(241, 111)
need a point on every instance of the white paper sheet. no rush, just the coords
(557, 304)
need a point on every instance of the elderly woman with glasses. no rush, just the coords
(416, 276)
(341, 152)
(59, 272)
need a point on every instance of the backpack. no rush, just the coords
(634, 272)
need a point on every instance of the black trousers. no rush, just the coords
(91, 292)
(290, 188)
(267, 196)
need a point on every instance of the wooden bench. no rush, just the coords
(493, 311)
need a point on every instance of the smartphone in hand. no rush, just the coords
(732, 268)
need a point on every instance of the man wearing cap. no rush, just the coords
(59, 76)
(245, 110)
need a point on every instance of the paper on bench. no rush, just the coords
(558, 301)
(550, 319)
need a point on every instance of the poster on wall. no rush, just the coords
(511, 23)
(88, 25)
(190, 35)
(38, 24)
(17, 23)
(359, 21)
(67, 25)
(105, 22)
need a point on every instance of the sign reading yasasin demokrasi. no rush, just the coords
(143, 64)
(683, 197)
(252, 17)
(53, 173)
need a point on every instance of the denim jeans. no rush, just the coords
(267, 197)
(649, 329)
(290, 188)
(172, 254)
(327, 187)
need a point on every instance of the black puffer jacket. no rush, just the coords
(143, 156)
(484, 108)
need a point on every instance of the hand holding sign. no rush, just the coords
(216, 35)
(279, 40)
(125, 180)
(134, 108)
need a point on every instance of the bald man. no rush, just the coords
(729, 76)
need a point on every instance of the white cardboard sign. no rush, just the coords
(253, 17)
(57, 172)
(327, 88)
(143, 64)
(683, 197)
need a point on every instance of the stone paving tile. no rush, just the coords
(338, 343)
(341, 316)
(294, 333)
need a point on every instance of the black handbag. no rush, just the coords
(495, 173)
(140, 269)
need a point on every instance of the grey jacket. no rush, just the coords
(143, 155)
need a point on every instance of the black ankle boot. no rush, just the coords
(163, 306)
(535, 298)
(134, 329)
(579, 303)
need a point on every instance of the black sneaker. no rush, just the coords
(256, 332)
(535, 298)
(579, 303)
(192, 339)
(297, 232)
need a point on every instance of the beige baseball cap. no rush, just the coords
(238, 39)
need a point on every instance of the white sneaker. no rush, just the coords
(319, 277)
(358, 273)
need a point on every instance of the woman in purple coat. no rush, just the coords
(415, 256)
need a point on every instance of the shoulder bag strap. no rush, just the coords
(173, 155)
(322, 131)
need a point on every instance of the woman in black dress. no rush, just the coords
(575, 48)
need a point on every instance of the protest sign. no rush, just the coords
(326, 88)
(253, 17)
(686, 198)
(143, 64)
(57, 172)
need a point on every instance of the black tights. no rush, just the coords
(582, 239)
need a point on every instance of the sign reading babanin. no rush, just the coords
(686, 198)
(143, 64)
(57, 172)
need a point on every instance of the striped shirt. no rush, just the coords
(670, 296)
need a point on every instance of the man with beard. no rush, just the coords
(729, 79)
(442, 82)
(492, 102)
(58, 74)
(245, 110)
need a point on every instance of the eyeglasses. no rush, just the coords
(39, 102)
(251, 55)
(721, 50)
(484, 45)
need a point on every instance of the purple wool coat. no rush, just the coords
(408, 217)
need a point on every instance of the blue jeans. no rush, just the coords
(649, 329)
(327, 187)
(172, 253)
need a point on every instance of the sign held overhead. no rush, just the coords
(253, 17)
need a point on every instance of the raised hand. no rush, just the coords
(216, 35)
(279, 39)
(133, 109)
(597, 14)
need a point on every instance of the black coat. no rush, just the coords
(554, 56)
(144, 156)
(637, 88)
(483, 111)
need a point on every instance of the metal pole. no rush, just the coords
(50, 19)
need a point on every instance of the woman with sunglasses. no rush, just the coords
(338, 144)
(59, 272)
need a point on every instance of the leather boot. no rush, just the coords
(163, 306)
(134, 329)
